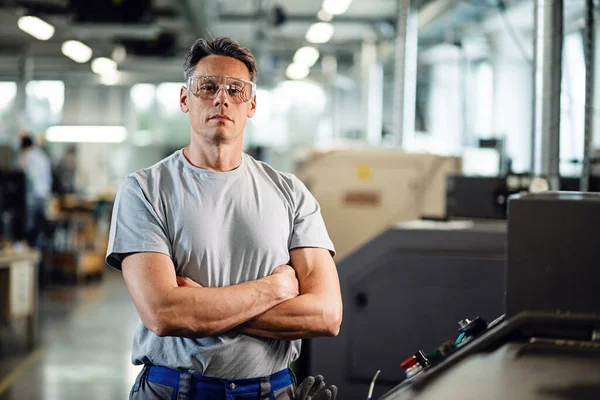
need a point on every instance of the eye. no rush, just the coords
(207, 87)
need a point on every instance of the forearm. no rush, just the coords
(206, 311)
(306, 316)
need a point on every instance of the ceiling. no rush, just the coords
(157, 33)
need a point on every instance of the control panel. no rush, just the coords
(421, 361)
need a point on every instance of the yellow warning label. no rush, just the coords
(363, 172)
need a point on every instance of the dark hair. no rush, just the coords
(26, 142)
(218, 47)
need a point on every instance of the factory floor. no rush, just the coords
(84, 348)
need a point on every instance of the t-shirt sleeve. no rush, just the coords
(309, 227)
(135, 226)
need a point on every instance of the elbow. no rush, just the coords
(160, 321)
(333, 321)
(158, 326)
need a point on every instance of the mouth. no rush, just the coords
(221, 117)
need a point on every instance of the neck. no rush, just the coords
(220, 157)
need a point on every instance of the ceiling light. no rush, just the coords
(36, 27)
(307, 55)
(324, 16)
(86, 134)
(76, 51)
(111, 78)
(119, 53)
(336, 7)
(104, 66)
(297, 71)
(319, 32)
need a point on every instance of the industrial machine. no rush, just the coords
(553, 253)
(549, 345)
(532, 356)
(374, 188)
(487, 197)
(404, 290)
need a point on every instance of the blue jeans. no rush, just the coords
(160, 383)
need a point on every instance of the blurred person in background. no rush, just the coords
(227, 260)
(65, 172)
(38, 173)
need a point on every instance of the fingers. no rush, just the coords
(314, 388)
(182, 281)
(304, 388)
(323, 395)
(282, 269)
(334, 391)
(319, 385)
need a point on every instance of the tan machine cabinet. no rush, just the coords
(364, 191)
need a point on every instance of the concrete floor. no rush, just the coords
(85, 345)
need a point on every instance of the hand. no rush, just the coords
(314, 388)
(288, 283)
(183, 281)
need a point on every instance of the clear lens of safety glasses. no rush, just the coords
(207, 88)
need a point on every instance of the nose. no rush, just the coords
(221, 99)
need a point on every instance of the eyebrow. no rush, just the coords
(225, 76)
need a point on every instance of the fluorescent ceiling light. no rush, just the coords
(86, 134)
(36, 27)
(297, 71)
(119, 53)
(324, 16)
(111, 78)
(104, 66)
(336, 7)
(307, 55)
(142, 96)
(76, 51)
(319, 32)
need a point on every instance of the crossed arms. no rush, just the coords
(296, 301)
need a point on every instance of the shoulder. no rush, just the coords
(157, 176)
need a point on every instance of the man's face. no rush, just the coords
(222, 119)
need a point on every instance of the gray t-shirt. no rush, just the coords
(220, 229)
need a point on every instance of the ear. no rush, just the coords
(183, 99)
(252, 109)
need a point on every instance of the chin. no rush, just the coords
(220, 136)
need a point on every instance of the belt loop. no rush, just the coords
(185, 383)
(265, 388)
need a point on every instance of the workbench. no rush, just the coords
(19, 290)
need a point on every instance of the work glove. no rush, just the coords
(315, 388)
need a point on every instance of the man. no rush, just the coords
(38, 174)
(227, 261)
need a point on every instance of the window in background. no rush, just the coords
(7, 104)
(267, 126)
(174, 124)
(485, 100)
(143, 101)
(45, 101)
(572, 105)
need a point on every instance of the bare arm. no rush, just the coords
(317, 311)
(169, 310)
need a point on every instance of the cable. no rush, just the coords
(373, 385)
(512, 32)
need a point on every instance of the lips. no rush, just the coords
(221, 117)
